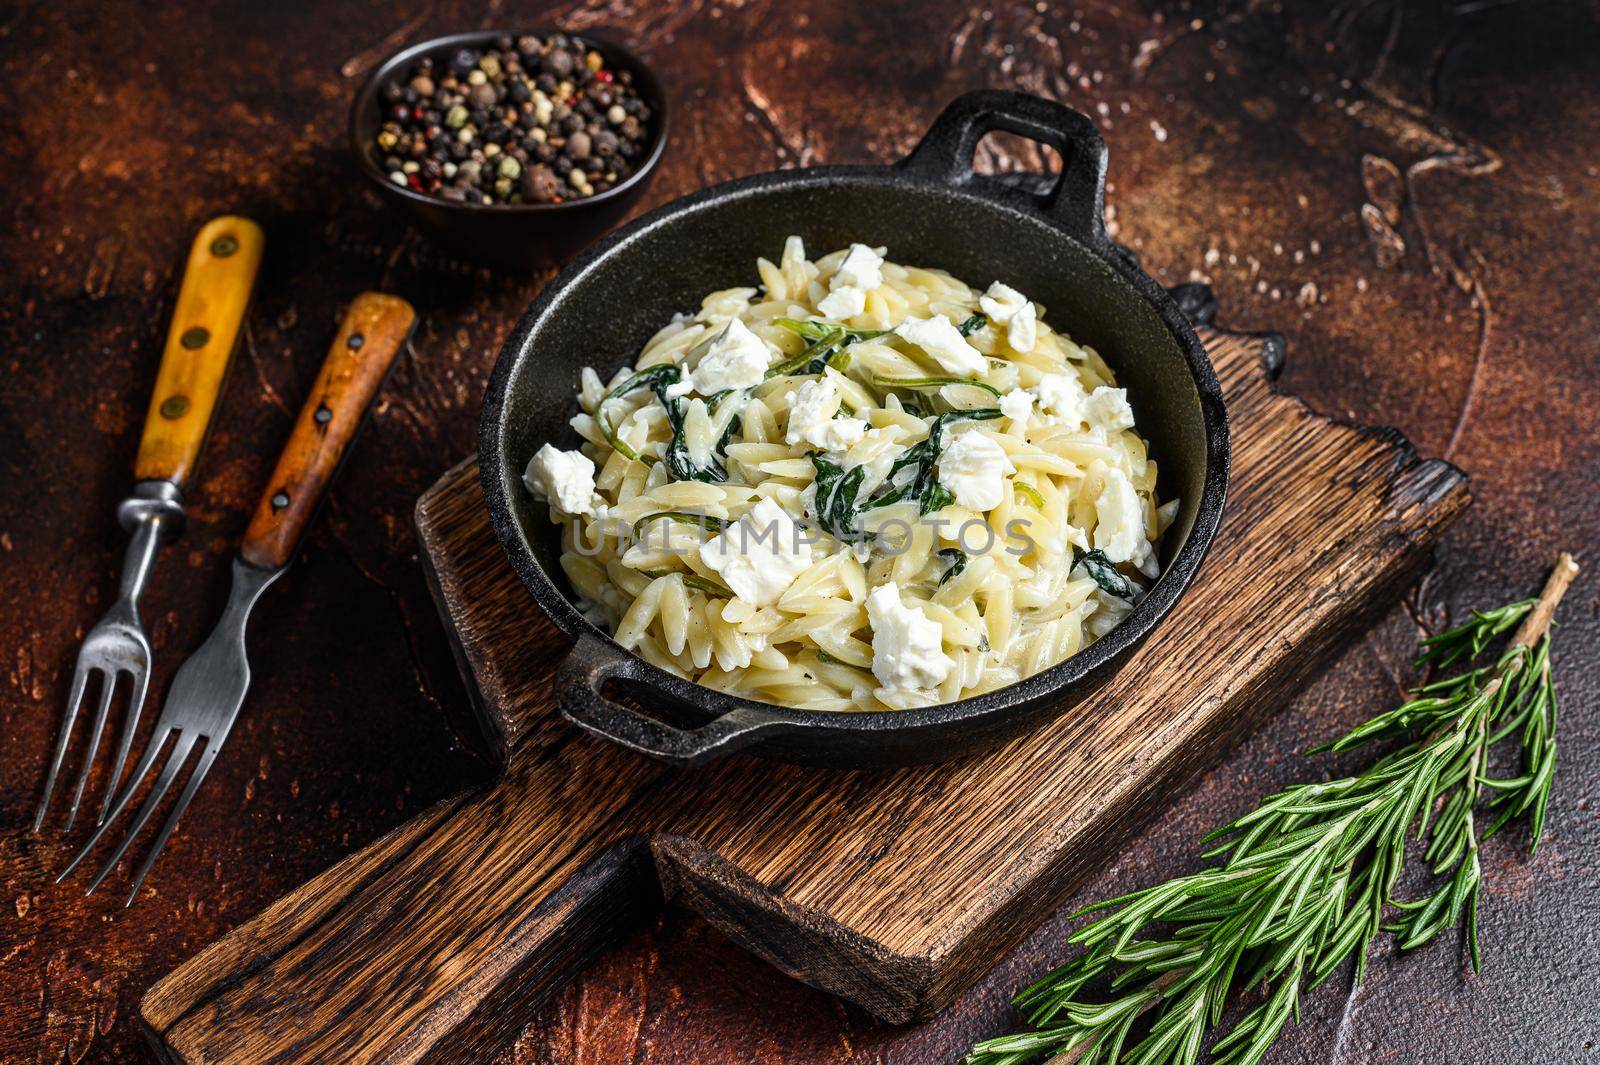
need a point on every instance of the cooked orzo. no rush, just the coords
(858, 486)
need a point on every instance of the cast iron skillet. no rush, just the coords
(930, 209)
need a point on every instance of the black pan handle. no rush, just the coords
(1076, 202)
(593, 662)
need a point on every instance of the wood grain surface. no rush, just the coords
(1401, 187)
(893, 889)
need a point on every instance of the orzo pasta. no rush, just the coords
(858, 486)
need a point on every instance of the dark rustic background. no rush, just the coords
(1408, 191)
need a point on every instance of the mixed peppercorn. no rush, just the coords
(527, 120)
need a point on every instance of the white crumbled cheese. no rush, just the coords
(944, 342)
(973, 467)
(734, 358)
(859, 273)
(565, 478)
(1108, 408)
(843, 303)
(1006, 306)
(811, 417)
(907, 645)
(862, 268)
(760, 555)
(1119, 520)
(1018, 406)
(1061, 395)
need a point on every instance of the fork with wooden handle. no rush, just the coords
(200, 343)
(210, 687)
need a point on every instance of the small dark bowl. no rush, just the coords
(521, 235)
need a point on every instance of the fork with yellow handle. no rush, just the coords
(206, 324)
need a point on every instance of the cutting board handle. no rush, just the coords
(429, 942)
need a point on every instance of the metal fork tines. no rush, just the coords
(117, 645)
(202, 704)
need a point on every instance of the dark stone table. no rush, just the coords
(1408, 191)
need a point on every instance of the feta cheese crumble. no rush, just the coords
(760, 555)
(734, 358)
(944, 343)
(1119, 520)
(907, 645)
(1006, 306)
(1108, 408)
(1017, 405)
(1061, 396)
(859, 274)
(973, 467)
(811, 417)
(565, 478)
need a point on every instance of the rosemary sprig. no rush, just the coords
(1305, 880)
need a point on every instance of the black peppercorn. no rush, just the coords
(463, 62)
(559, 63)
(539, 184)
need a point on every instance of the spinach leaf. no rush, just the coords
(838, 512)
(914, 383)
(820, 330)
(973, 324)
(693, 580)
(827, 347)
(836, 498)
(656, 377)
(680, 463)
(683, 517)
(958, 562)
(1105, 573)
(922, 460)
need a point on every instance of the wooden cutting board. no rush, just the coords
(895, 889)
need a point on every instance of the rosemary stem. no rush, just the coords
(1537, 622)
